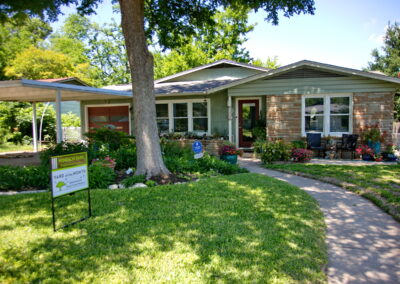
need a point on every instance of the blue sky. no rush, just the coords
(340, 32)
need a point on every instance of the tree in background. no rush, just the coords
(388, 61)
(170, 24)
(70, 120)
(15, 38)
(270, 63)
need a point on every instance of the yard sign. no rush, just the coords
(197, 148)
(69, 174)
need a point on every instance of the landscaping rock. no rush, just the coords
(113, 186)
(121, 186)
(138, 185)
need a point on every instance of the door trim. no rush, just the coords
(237, 114)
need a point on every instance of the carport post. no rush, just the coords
(34, 128)
(58, 117)
(229, 103)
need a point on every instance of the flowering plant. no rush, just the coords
(364, 150)
(106, 162)
(229, 150)
(373, 133)
(301, 155)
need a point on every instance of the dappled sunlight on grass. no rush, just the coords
(242, 228)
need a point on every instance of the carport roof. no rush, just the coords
(35, 91)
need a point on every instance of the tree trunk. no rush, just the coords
(149, 158)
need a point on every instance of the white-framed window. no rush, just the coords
(184, 116)
(327, 114)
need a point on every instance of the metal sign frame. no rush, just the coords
(53, 197)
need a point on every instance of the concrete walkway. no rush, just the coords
(363, 241)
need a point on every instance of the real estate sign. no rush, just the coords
(69, 173)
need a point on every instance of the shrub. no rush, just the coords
(112, 139)
(100, 176)
(130, 181)
(275, 151)
(301, 155)
(298, 144)
(17, 178)
(373, 133)
(150, 183)
(125, 157)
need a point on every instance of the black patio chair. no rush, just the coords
(348, 143)
(314, 142)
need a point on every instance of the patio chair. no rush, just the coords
(314, 142)
(348, 143)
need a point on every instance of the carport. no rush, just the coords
(33, 91)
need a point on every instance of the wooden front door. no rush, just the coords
(116, 117)
(249, 112)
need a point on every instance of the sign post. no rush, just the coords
(69, 174)
(197, 148)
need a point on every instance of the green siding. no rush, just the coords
(309, 86)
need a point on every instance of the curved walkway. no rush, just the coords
(363, 241)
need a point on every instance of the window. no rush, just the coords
(162, 118)
(183, 116)
(327, 114)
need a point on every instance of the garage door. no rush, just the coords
(109, 116)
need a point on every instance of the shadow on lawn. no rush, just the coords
(233, 229)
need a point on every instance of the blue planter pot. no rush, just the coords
(231, 159)
(389, 157)
(376, 146)
(366, 157)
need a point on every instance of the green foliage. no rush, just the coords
(273, 151)
(110, 138)
(150, 183)
(70, 120)
(17, 178)
(125, 157)
(132, 180)
(100, 176)
(270, 63)
(298, 144)
(259, 131)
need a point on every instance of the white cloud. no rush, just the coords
(375, 38)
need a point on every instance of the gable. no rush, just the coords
(306, 72)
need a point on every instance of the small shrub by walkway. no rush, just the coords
(380, 184)
(239, 228)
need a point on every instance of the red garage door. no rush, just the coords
(114, 116)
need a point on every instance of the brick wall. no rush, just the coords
(284, 117)
(371, 108)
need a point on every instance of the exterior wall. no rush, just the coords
(283, 113)
(217, 73)
(309, 86)
(371, 108)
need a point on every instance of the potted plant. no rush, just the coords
(229, 153)
(366, 153)
(372, 136)
(388, 154)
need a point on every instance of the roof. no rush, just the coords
(65, 80)
(213, 64)
(37, 91)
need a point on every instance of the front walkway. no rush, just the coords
(363, 241)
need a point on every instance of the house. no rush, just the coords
(228, 98)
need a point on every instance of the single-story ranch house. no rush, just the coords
(228, 98)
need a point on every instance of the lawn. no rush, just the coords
(379, 183)
(230, 229)
(9, 147)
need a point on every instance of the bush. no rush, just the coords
(301, 155)
(298, 144)
(275, 151)
(130, 181)
(125, 157)
(112, 139)
(100, 176)
(17, 178)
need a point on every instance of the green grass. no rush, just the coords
(379, 183)
(244, 228)
(9, 147)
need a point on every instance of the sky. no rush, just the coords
(341, 32)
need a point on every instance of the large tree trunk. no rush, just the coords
(149, 159)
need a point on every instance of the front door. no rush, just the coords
(249, 112)
(116, 117)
